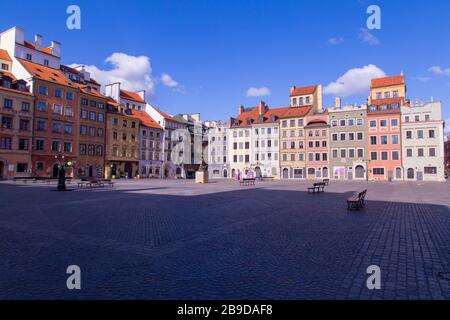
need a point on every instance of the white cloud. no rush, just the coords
(354, 81)
(367, 37)
(335, 41)
(258, 92)
(437, 70)
(168, 81)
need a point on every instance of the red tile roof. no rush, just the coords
(145, 119)
(253, 115)
(165, 115)
(31, 45)
(379, 102)
(8, 74)
(301, 91)
(388, 81)
(297, 112)
(48, 74)
(133, 96)
(4, 55)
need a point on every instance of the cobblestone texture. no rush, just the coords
(178, 240)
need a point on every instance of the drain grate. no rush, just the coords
(444, 276)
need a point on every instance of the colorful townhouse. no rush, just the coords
(218, 159)
(56, 100)
(447, 156)
(317, 132)
(122, 144)
(174, 144)
(91, 124)
(151, 142)
(387, 96)
(128, 99)
(16, 118)
(348, 142)
(303, 100)
(422, 141)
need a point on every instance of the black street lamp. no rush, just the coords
(62, 167)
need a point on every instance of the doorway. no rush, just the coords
(128, 170)
(411, 174)
(225, 173)
(91, 171)
(285, 173)
(2, 168)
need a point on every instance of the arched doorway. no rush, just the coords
(410, 174)
(398, 173)
(233, 173)
(285, 173)
(258, 172)
(360, 172)
(128, 170)
(325, 172)
(2, 169)
(91, 171)
(55, 171)
(225, 173)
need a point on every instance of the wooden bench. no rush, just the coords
(326, 181)
(357, 201)
(247, 182)
(317, 187)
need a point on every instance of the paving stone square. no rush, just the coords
(174, 239)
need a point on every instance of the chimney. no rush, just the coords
(241, 110)
(113, 91)
(56, 48)
(262, 108)
(292, 89)
(141, 94)
(319, 105)
(38, 41)
(337, 102)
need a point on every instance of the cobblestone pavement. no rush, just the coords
(178, 240)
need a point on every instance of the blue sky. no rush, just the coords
(212, 52)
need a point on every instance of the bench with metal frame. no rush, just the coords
(357, 201)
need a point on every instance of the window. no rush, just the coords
(56, 146)
(23, 144)
(46, 62)
(67, 147)
(427, 117)
(83, 130)
(24, 125)
(360, 153)
(308, 100)
(92, 116)
(56, 127)
(409, 153)
(419, 134)
(93, 103)
(22, 167)
(431, 134)
(69, 111)
(394, 122)
(383, 123)
(395, 93)
(378, 171)
(432, 152)
(300, 122)
(420, 152)
(58, 93)
(41, 125)
(384, 140)
(395, 155)
(5, 143)
(43, 90)
(68, 128)
(335, 154)
(417, 118)
(8, 103)
(69, 96)
(384, 156)
(351, 136)
(5, 66)
(406, 118)
(342, 123)
(359, 122)
(408, 135)
(360, 136)
(394, 139)
(42, 106)
(342, 136)
(430, 170)
(379, 96)
(373, 123)
(40, 145)
(343, 153)
(25, 106)
(57, 109)
(373, 140)
(374, 156)
(351, 153)
(100, 132)
(334, 137)
(83, 149)
(84, 101)
(387, 95)
(7, 122)
(29, 57)
(334, 123)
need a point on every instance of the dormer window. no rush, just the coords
(5, 66)
(308, 100)
(383, 107)
(294, 101)
(373, 108)
(261, 119)
(301, 101)
(395, 106)
(272, 118)
(249, 121)
(46, 62)
(387, 95)
(29, 57)
(7, 84)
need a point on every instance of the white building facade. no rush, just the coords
(423, 142)
(218, 147)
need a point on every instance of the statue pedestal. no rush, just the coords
(201, 177)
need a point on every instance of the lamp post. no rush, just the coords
(62, 167)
